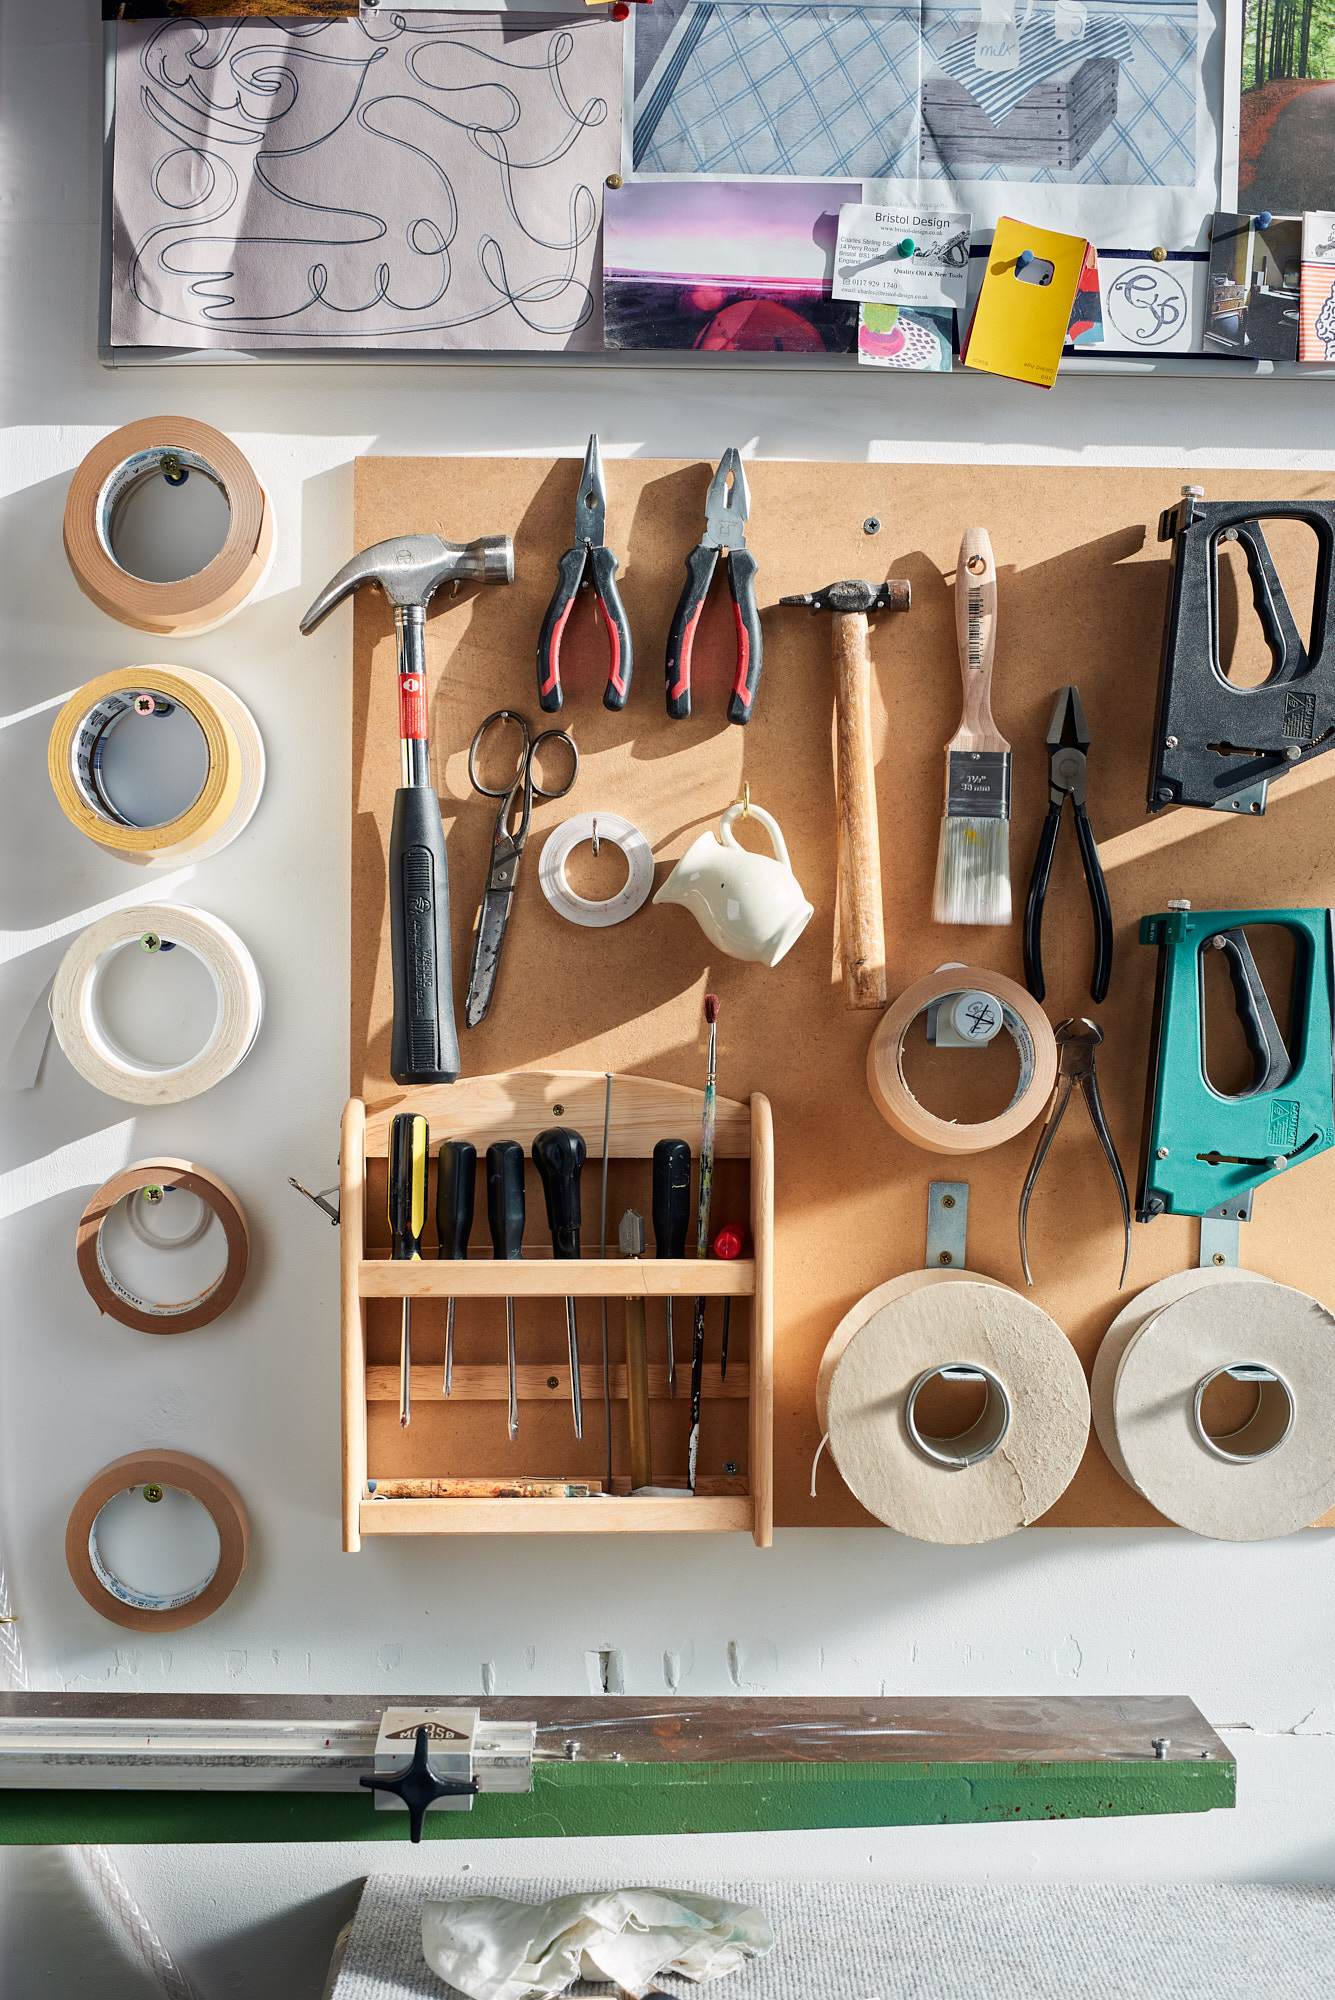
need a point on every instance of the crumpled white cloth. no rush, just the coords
(493, 1948)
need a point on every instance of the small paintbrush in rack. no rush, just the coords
(973, 861)
(702, 1237)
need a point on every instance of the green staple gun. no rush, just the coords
(1205, 1153)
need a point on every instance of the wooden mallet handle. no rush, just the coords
(862, 923)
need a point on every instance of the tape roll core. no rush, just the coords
(140, 1611)
(106, 1290)
(1029, 1029)
(233, 782)
(95, 1054)
(105, 479)
(561, 844)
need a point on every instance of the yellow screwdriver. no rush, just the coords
(408, 1142)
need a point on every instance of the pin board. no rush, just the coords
(1081, 589)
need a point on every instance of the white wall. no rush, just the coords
(1249, 1632)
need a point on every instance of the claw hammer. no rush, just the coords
(409, 569)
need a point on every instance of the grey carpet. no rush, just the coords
(936, 1941)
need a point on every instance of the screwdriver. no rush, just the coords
(672, 1215)
(505, 1217)
(455, 1187)
(728, 1244)
(408, 1141)
(559, 1155)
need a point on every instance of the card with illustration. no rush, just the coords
(1316, 293)
(910, 337)
(1153, 305)
(1255, 274)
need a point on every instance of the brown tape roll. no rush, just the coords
(100, 1281)
(137, 1610)
(102, 482)
(1029, 1029)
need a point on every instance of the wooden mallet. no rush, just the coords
(861, 921)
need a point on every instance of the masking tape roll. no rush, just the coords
(114, 469)
(140, 1611)
(106, 1290)
(1133, 1316)
(1279, 1478)
(560, 845)
(1013, 1463)
(1025, 1022)
(87, 1042)
(132, 697)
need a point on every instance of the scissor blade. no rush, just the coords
(727, 506)
(591, 506)
(487, 942)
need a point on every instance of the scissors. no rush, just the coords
(506, 848)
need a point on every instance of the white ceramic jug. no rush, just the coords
(749, 905)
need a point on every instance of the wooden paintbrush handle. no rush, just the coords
(862, 925)
(976, 631)
(637, 1395)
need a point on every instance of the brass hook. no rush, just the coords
(745, 800)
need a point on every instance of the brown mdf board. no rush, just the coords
(1081, 581)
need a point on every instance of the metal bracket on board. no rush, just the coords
(1220, 1231)
(947, 1225)
(318, 1199)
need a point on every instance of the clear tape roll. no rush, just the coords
(138, 1610)
(232, 786)
(561, 844)
(997, 1476)
(114, 1298)
(1280, 1479)
(90, 1047)
(102, 483)
(1023, 1019)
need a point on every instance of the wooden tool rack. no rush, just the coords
(466, 1436)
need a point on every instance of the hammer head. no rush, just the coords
(856, 595)
(410, 568)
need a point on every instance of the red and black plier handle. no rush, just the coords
(700, 564)
(570, 575)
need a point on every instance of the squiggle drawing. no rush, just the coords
(425, 180)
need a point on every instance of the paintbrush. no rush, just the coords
(973, 861)
(702, 1237)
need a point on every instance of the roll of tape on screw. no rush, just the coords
(153, 1473)
(1023, 1019)
(153, 1182)
(560, 845)
(133, 697)
(85, 1039)
(1022, 1448)
(170, 447)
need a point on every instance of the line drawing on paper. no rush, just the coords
(334, 181)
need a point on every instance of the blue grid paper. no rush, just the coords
(793, 91)
(1042, 58)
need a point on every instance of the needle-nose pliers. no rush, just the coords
(588, 552)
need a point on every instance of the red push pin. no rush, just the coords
(621, 12)
(728, 1243)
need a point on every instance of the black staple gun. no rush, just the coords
(1217, 743)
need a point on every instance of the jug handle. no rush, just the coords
(770, 824)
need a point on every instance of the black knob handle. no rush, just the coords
(559, 1155)
(419, 1787)
(505, 1197)
(672, 1197)
(455, 1187)
(408, 1143)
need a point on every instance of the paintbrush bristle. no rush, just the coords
(711, 1008)
(973, 872)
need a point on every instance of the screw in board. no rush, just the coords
(730, 1467)
(872, 525)
(553, 1381)
(1161, 1745)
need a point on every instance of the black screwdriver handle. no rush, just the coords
(505, 1198)
(456, 1171)
(424, 1047)
(671, 1197)
(559, 1155)
(742, 567)
(700, 565)
(408, 1143)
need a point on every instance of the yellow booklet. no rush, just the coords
(1024, 306)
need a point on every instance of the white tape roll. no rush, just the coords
(90, 1047)
(1273, 1475)
(1021, 1452)
(133, 697)
(633, 892)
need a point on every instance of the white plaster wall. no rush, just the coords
(1247, 1631)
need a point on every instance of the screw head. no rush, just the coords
(152, 1493)
(1218, 1257)
(872, 525)
(730, 1467)
(150, 941)
(1162, 1153)
(553, 1381)
(144, 704)
(1170, 743)
(557, 1109)
(947, 1201)
(153, 1193)
(944, 1257)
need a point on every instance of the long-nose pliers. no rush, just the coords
(588, 552)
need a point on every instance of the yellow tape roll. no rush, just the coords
(232, 786)
(112, 470)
